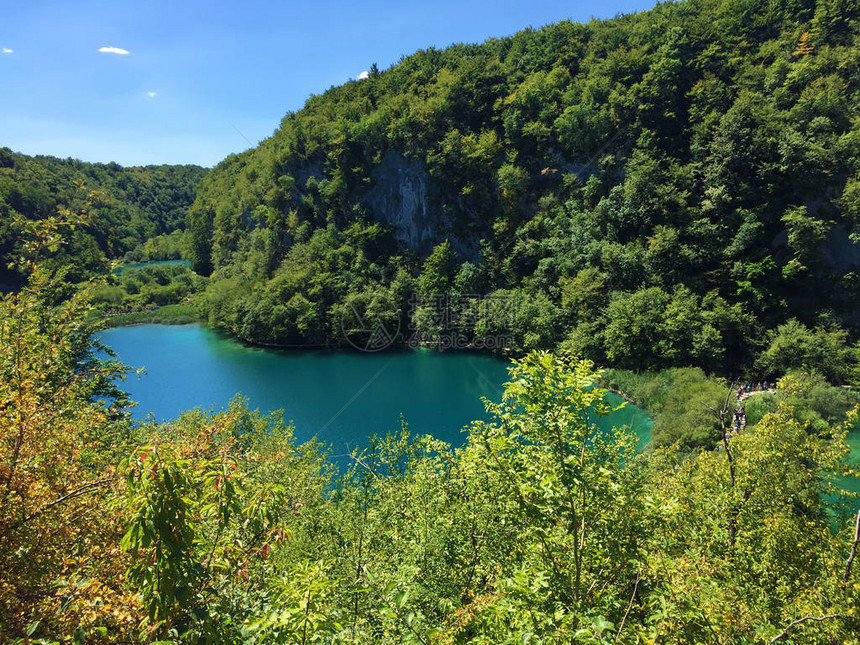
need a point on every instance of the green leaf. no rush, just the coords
(400, 598)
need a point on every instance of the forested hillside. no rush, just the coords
(661, 189)
(125, 206)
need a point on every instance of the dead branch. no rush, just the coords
(81, 490)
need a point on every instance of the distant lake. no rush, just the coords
(341, 398)
(152, 263)
(853, 441)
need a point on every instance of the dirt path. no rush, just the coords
(746, 395)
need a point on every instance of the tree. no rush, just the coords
(652, 328)
(62, 425)
(198, 242)
(204, 510)
(438, 271)
(805, 236)
(572, 492)
(584, 295)
(795, 346)
(760, 513)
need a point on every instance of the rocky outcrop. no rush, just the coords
(400, 198)
(840, 252)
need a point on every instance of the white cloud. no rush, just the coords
(114, 50)
(152, 94)
(365, 74)
(7, 51)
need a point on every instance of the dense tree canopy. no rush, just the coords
(679, 181)
(541, 528)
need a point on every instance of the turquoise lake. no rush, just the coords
(341, 398)
(151, 263)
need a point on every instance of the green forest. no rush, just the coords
(218, 527)
(131, 212)
(664, 204)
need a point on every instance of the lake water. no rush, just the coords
(339, 397)
(151, 263)
(853, 484)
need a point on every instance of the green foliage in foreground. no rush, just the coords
(219, 528)
(540, 529)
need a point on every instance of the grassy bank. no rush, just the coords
(166, 315)
(680, 400)
(683, 403)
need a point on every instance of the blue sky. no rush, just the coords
(204, 79)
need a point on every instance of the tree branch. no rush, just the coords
(853, 550)
(361, 463)
(800, 621)
(81, 490)
(629, 605)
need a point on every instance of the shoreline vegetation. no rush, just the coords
(684, 402)
(179, 314)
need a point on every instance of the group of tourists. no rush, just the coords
(739, 421)
(739, 418)
(745, 390)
